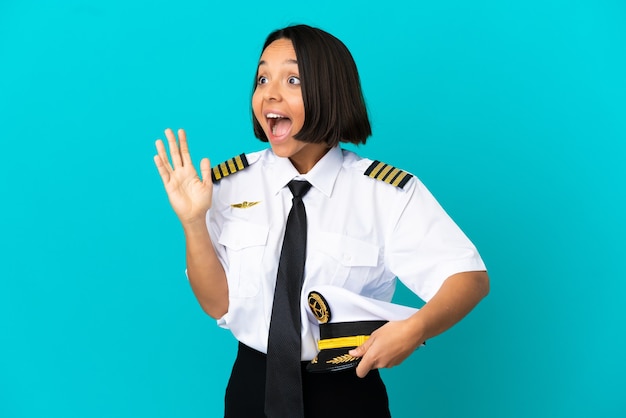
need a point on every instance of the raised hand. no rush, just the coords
(189, 195)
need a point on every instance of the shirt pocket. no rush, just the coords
(245, 244)
(355, 262)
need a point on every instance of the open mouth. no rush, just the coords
(279, 125)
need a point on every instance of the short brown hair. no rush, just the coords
(334, 107)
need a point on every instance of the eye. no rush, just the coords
(261, 80)
(293, 80)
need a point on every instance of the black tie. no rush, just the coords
(283, 385)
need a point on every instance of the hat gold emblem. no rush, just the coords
(319, 307)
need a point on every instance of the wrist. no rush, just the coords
(195, 226)
(417, 328)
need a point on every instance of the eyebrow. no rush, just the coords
(289, 61)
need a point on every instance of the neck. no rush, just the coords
(304, 162)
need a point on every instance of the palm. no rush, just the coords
(189, 195)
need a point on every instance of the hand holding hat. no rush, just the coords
(388, 346)
(349, 321)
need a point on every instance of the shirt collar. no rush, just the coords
(322, 176)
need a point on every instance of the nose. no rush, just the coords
(271, 91)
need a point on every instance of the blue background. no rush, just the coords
(512, 113)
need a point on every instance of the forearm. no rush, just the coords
(392, 343)
(458, 295)
(205, 271)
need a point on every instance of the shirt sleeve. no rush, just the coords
(214, 229)
(215, 224)
(426, 246)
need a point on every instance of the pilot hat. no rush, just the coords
(346, 320)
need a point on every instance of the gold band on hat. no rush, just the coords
(341, 342)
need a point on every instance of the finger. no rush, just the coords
(184, 147)
(163, 155)
(357, 352)
(364, 367)
(362, 349)
(366, 364)
(174, 150)
(205, 171)
(163, 171)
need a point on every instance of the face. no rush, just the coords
(278, 106)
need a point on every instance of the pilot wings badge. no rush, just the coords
(244, 205)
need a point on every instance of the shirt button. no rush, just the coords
(347, 257)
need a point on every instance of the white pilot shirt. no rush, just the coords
(362, 234)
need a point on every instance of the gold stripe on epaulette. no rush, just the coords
(387, 173)
(229, 167)
(403, 177)
(239, 161)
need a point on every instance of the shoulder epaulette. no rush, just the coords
(229, 167)
(388, 174)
